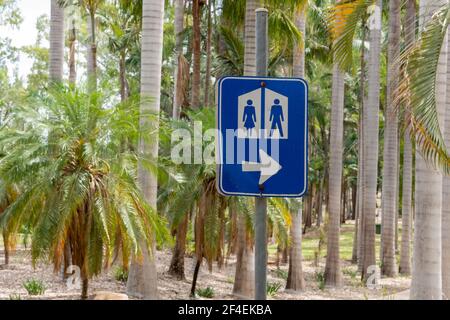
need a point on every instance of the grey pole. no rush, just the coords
(260, 202)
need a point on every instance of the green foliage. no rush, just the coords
(121, 274)
(273, 288)
(320, 278)
(282, 274)
(79, 180)
(206, 293)
(34, 287)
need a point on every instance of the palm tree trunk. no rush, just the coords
(56, 60)
(426, 281)
(295, 280)
(333, 276)
(446, 200)
(6, 247)
(196, 51)
(142, 280)
(245, 265)
(244, 280)
(179, 27)
(72, 54)
(371, 128)
(123, 77)
(405, 251)
(208, 57)
(176, 268)
(391, 161)
(250, 38)
(92, 70)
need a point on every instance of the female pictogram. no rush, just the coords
(276, 118)
(249, 117)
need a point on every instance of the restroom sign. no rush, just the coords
(263, 136)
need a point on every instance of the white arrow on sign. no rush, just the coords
(268, 166)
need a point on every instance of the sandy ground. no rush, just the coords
(20, 270)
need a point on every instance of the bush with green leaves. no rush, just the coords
(34, 287)
(320, 278)
(206, 292)
(72, 154)
(273, 288)
(121, 274)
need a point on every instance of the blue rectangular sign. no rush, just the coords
(262, 147)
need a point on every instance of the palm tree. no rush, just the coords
(391, 161)
(426, 68)
(142, 279)
(333, 276)
(79, 187)
(445, 199)
(405, 251)
(295, 279)
(370, 136)
(56, 60)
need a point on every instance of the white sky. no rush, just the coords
(26, 35)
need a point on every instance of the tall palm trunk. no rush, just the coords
(179, 27)
(391, 161)
(250, 38)
(72, 54)
(427, 274)
(333, 276)
(6, 246)
(370, 132)
(245, 265)
(142, 280)
(244, 280)
(56, 42)
(92, 56)
(295, 280)
(405, 251)
(176, 268)
(208, 57)
(196, 51)
(446, 199)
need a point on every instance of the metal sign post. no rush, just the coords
(260, 202)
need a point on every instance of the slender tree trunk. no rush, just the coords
(208, 57)
(362, 97)
(6, 247)
(244, 280)
(176, 268)
(92, 71)
(333, 276)
(371, 129)
(142, 280)
(405, 252)
(355, 239)
(196, 42)
(123, 77)
(446, 198)
(426, 281)
(85, 288)
(295, 280)
(179, 27)
(72, 54)
(56, 59)
(198, 264)
(245, 265)
(391, 161)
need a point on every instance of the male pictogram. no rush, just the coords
(277, 118)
